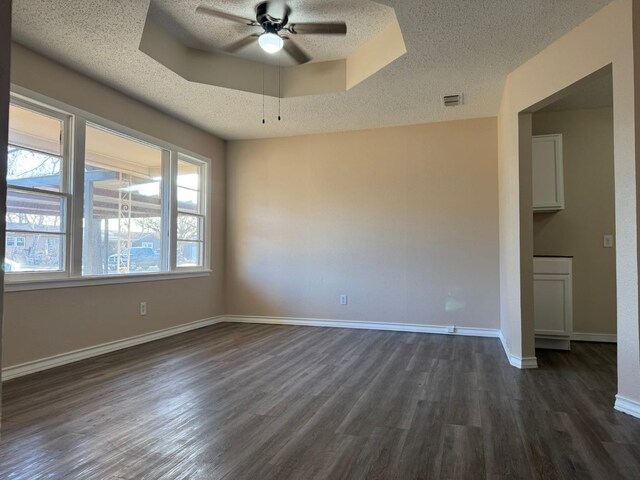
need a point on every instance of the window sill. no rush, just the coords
(25, 285)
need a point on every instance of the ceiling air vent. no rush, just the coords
(452, 100)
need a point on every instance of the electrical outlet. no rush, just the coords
(143, 308)
(344, 300)
(608, 241)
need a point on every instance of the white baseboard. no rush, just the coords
(628, 406)
(357, 324)
(518, 362)
(594, 337)
(522, 363)
(16, 371)
(84, 353)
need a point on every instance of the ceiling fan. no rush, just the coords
(277, 30)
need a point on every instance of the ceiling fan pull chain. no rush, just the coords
(279, 89)
(263, 120)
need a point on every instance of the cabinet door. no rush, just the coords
(553, 311)
(547, 173)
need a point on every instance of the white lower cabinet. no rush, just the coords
(553, 305)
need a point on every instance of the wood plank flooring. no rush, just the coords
(264, 402)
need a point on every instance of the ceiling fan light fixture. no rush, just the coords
(270, 42)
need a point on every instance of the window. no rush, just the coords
(123, 204)
(191, 218)
(37, 196)
(140, 206)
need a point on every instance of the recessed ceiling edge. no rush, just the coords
(227, 71)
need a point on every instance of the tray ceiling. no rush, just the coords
(364, 18)
(360, 54)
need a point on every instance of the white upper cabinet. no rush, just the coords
(548, 183)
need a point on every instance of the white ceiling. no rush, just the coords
(453, 46)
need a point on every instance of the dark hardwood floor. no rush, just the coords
(264, 402)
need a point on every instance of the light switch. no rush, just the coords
(608, 241)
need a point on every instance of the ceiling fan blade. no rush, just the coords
(225, 16)
(278, 10)
(295, 51)
(338, 28)
(246, 41)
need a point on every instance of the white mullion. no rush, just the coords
(165, 252)
(35, 150)
(76, 179)
(35, 232)
(37, 191)
(205, 210)
(173, 216)
(65, 187)
(197, 190)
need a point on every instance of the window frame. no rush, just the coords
(203, 212)
(164, 205)
(65, 193)
(73, 179)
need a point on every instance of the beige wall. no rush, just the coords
(589, 214)
(403, 220)
(42, 323)
(607, 38)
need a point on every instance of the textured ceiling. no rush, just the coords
(364, 19)
(453, 46)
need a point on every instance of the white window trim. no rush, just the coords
(203, 211)
(75, 282)
(72, 277)
(66, 186)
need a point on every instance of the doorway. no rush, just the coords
(570, 137)
(574, 217)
